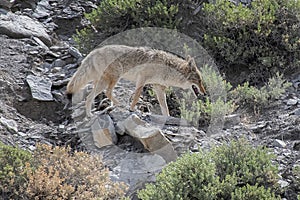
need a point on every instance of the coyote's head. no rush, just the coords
(194, 77)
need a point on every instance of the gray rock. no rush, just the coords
(279, 143)
(292, 102)
(58, 63)
(296, 85)
(151, 137)
(22, 134)
(40, 42)
(10, 124)
(283, 183)
(40, 88)
(259, 126)
(167, 120)
(120, 129)
(42, 9)
(7, 4)
(119, 114)
(103, 131)
(31, 4)
(232, 120)
(138, 169)
(18, 26)
(296, 112)
(75, 52)
(61, 127)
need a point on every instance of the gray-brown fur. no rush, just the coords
(106, 65)
(142, 55)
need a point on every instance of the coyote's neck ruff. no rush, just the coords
(106, 65)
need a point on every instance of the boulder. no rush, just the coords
(103, 131)
(152, 138)
(40, 88)
(10, 124)
(232, 120)
(19, 26)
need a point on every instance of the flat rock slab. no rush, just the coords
(40, 88)
(135, 169)
(10, 124)
(152, 138)
(17, 26)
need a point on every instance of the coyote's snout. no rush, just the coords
(106, 65)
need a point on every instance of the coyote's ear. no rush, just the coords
(191, 62)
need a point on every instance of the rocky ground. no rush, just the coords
(37, 60)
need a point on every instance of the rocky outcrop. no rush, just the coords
(20, 26)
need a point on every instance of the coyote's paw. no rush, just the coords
(89, 115)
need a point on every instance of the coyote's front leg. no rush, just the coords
(161, 97)
(99, 86)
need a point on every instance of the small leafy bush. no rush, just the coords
(234, 171)
(190, 177)
(223, 100)
(259, 98)
(196, 110)
(250, 192)
(249, 165)
(264, 35)
(115, 16)
(296, 173)
(12, 170)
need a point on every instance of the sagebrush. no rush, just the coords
(12, 170)
(231, 171)
(114, 16)
(264, 35)
(55, 173)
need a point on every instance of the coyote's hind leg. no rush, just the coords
(138, 90)
(111, 84)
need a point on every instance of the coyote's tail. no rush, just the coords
(82, 76)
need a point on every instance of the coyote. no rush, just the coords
(106, 65)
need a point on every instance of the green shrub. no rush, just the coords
(115, 16)
(296, 173)
(264, 36)
(259, 98)
(190, 177)
(12, 170)
(250, 192)
(234, 171)
(249, 165)
(223, 100)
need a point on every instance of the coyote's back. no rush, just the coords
(93, 66)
